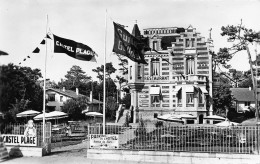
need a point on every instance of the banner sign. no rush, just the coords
(104, 141)
(21, 140)
(73, 49)
(127, 45)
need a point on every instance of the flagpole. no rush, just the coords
(104, 79)
(44, 87)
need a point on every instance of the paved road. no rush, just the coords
(74, 154)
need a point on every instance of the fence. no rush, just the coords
(63, 134)
(235, 139)
(19, 129)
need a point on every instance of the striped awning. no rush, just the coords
(203, 90)
(189, 89)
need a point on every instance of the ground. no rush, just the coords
(73, 154)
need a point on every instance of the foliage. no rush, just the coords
(141, 129)
(222, 99)
(74, 107)
(123, 64)
(127, 101)
(19, 84)
(100, 71)
(111, 107)
(158, 124)
(75, 78)
(221, 58)
(127, 120)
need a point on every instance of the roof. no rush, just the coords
(243, 94)
(136, 32)
(73, 94)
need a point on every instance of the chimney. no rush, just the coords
(63, 89)
(91, 97)
(77, 91)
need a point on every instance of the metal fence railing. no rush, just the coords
(18, 129)
(235, 139)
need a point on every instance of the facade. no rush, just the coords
(57, 97)
(244, 98)
(178, 77)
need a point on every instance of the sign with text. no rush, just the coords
(104, 141)
(21, 140)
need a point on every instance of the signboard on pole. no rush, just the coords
(21, 140)
(106, 141)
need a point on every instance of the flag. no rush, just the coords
(42, 42)
(47, 36)
(128, 45)
(36, 50)
(73, 49)
(3, 53)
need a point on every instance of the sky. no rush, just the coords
(24, 24)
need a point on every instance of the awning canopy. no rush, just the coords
(155, 90)
(177, 88)
(203, 90)
(189, 89)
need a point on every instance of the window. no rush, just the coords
(51, 97)
(187, 42)
(155, 67)
(155, 100)
(139, 72)
(61, 98)
(130, 72)
(179, 96)
(190, 98)
(200, 98)
(190, 67)
(192, 42)
(155, 45)
(247, 103)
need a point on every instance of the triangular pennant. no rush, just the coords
(24, 59)
(28, 56)
(20, 63)
(36, 50)
(42, 42)
(47, 36)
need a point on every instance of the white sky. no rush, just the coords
(23, 26)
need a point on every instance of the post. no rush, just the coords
(44, 87)
(104, 81)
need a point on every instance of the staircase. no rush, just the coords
(122, 118)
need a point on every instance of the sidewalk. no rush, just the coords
(65, 160)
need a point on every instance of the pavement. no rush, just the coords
(73, 154)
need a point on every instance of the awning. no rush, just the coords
(203, 90)
(155, 90)
(189, 88)
(176, 90)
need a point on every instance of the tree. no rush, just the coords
(222, 99)
(74, 107)
(242, 37)
(75, 78)
(100, 71)
(19, 84)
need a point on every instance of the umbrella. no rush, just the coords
(215, 117)
(250, 122)
(226, 123)
(27, 113)
(94, 114)
(170, 118)
(187, 116)
(51, 115)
